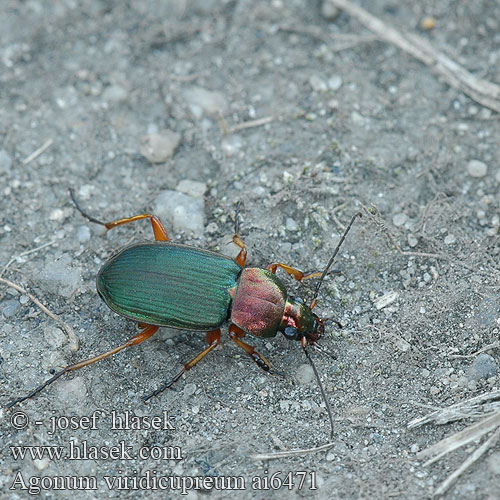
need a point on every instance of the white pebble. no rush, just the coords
(291, 225)
(181, 211)
(399, 219)
(202, 101)
(318, 84)
(449, 239)
(304, 374)
(192, 188)
(83, 234)
(158, 148)
(57, 215)
(412, 240)
(386, 299)
(477, 168)
(335, 82)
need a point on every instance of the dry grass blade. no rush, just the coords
(464, 409)
(473, 457)
(472, 433)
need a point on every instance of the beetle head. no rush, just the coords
(300, 323)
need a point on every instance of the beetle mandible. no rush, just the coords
(163, 283)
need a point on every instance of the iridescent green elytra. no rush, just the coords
(169, 284)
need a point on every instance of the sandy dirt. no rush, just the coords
(306, 120)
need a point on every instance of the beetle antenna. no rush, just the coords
(332, 258)
(87, 216)
(323, 393)
(237, 218)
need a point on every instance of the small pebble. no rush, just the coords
(205, 102)
(71, 391)
(5, 161)
(428, 23)
(192, 188)
(399, 219)
(284, 405)
(60, 278)
(158, 148)
(181, 211)
(231, 144)
(386, 299)
(434, 390)
(334, 82)
(304, 374)
(483, 367)
(189, 390)
(291, 225)
(329, 11)
(115, 93)
(477, 168)
(494, 463)
(318, 84)
(10, 308)
(57, 215)
(412, 240)
(54, 336)
(449, 239)
(41, 464)
(83, 234)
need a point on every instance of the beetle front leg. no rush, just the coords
(158, 229)
(298, 275)
(213, 339)
(235, 333)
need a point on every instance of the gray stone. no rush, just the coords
(205, 102)
(477, 168)
(483, 367)
(5, 161)
(60, 278)
(158, 148)
(181, 211)
(304, 374)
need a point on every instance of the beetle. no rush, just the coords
(163, 283)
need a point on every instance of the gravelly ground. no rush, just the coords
(353, 125)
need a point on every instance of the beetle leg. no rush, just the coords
(235, 333)
(213, 339)
(136, 339)
(242, 256)
(298, 275)
(158, 229)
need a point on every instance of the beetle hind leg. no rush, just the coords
(213, 339)
(148, 331)
(158, 229)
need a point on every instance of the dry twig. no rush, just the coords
(481, 91)
(38, 151)
(250, 124)
(71, 334)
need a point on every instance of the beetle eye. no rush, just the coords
(291, 333)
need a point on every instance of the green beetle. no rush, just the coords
(162, 283)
